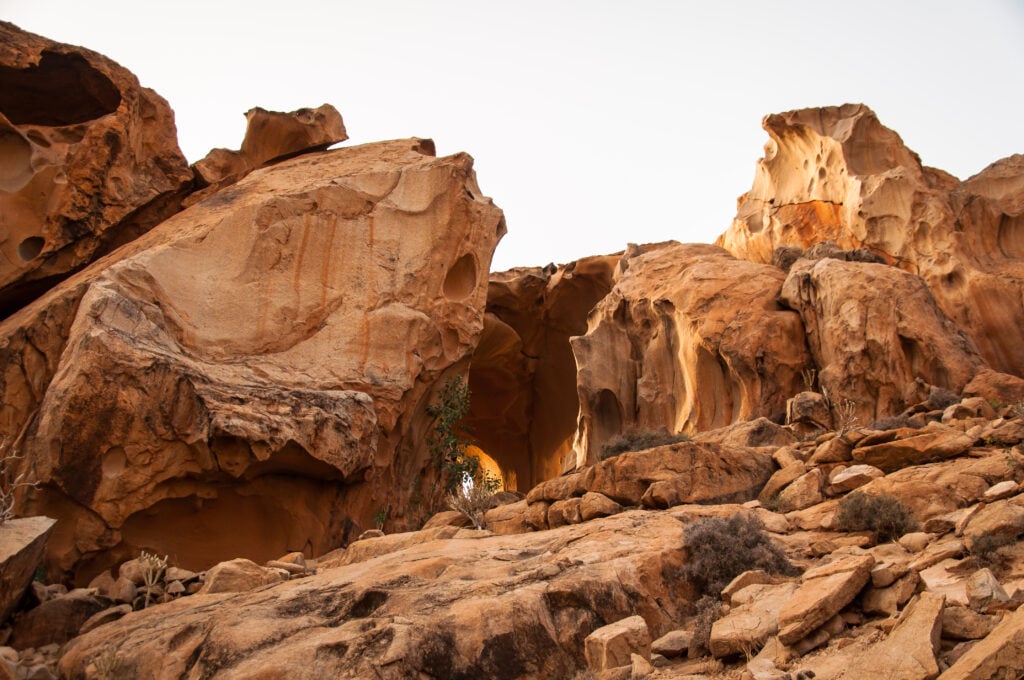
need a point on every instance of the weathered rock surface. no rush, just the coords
(249, 377)
(756, 618)
(523, 374)
(22, 544)
(689, 339)
(838, 174)
(612, 646)
(1000, 655)
(823, 593)
(895, 449)
(666, 476)
(270, 136)
(469, 606)
(86, 157)
(909, 651)
(879, 356)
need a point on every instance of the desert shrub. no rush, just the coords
(939, 398)
(707, 610)
(639, 440)
(891, 423)
(884, 515)
(722, 548)
(985, 550)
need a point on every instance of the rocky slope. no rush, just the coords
(232, 365)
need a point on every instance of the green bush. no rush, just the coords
(722, 548)
(884, 515)
(640, 440)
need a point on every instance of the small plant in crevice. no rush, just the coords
(8, 485)
(154, 568)
(884, 515)
(640, 440)
(380, 518)
(810, 376)
(107, 664)
(448, 443)
(473, 500)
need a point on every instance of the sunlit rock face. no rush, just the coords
(250, 377)
(689, 339)
(838, 174)
(523, 374)
(89, 159)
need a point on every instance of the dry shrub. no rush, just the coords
(722, 548)
(640, 440)
(884, 515)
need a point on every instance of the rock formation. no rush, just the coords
(523, 374)
(225, 401)
(249, 377)
(838, 174)
(271, 136)
(88, 161)
(689, 339)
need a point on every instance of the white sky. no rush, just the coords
(593, 123)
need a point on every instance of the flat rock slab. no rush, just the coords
(747, 627)
(823, 594)
(926, 447)
(22, 544)
(1000, 655)
(909, 651)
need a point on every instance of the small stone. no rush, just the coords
(175, 588)
(983, 588)
(1001, 490)
(613, 645)
(915, 541)
(673, 644)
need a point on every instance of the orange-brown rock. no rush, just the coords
(665, 476)
(523, 374)
(249, 378)
(22, 544)
(838, 174)
(270, 136)
(879, 356)
(689, 339)
(87, 156)
(467, 605)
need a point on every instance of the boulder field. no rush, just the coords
(220, 382)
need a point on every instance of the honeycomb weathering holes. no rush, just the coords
(460, 281)
(30, 248)
(62, 89)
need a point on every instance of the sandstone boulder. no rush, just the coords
(756, 618)
(612, 646)
(837, 174)
(689, 339)
(237, 576)
(89, 161)
(825, 591)
(250, 377)
(877, 356)
(902, 448)
(22, 545)
(270, 136)
(55, 621)
(854, 477)
(1000, 655)
(909, 651)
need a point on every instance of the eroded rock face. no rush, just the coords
(249, 378)
(523, 375)
(689, 339)
(838, 174)
(877, 335)
(271, 135)
(88, 158)
(460, 604)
